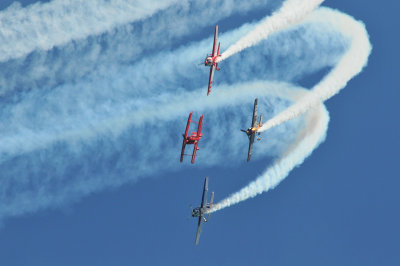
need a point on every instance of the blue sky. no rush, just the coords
(338, 208)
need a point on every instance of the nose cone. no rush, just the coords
(195, 213)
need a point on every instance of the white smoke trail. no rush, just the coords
(42, 178)
(60, 21)
(351, 64)
(291, 12)
(30, 134)
(99, 121)
(123, 44)
(309, 138)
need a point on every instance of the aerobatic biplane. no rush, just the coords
(252, 131)
(194, 138)
(211, 60)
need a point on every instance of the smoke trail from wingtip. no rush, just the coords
(291, 12)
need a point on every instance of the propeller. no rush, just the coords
(190, 216)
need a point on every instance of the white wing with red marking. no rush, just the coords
(214, 51)
(210, 80)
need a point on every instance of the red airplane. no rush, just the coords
(192, 139)
(211, 60)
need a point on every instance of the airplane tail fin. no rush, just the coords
(211, 203)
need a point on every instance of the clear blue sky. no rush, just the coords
(340, 207)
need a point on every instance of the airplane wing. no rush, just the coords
(254, 121)
(251, 140)
(188, 125)
(203, 204)
(199, 229)
(205, 189)
(215, 41)
(194, 151)
(185, 136)
(200, 125)
(210, 80)
(183, 150)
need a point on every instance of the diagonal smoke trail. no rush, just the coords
(317, 119)
(124, 44)
(64, 141)
(90, 97)
(291, 12)
(60, 21)
(117, 151)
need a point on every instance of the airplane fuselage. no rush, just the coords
(251, 130)
(196, 212)
(210, 61)
(192, 139)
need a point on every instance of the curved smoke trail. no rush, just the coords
(291, 12)
(350, 65)
(313, 133)
(70, 131)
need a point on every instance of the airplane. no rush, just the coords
(252, 131)
(203, 209)
(192, 139)
(211, 60)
